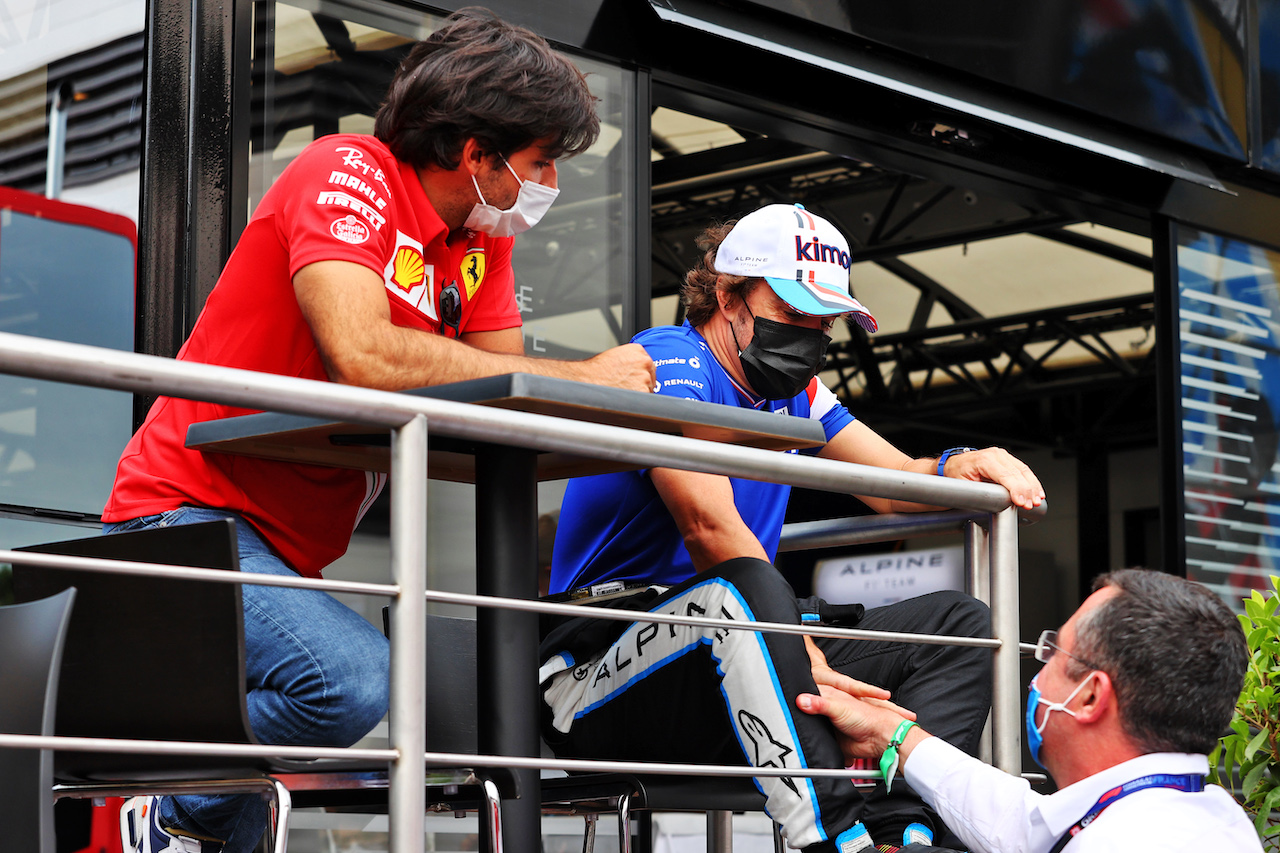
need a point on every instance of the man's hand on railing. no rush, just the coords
(997, 465)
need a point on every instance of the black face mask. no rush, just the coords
(781, 358)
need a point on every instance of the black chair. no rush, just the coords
(32, 637)
(153, 659)
(626, 794)
(163, 659)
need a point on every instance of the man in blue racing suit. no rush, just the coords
(759, 305)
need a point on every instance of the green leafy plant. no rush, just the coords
(1247, 760)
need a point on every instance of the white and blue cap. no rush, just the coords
(802, 256)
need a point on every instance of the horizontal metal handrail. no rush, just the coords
(407, 416)
(447, 759)
(192, 573)
(78, 363)
(67, 743)
(887, 527)
(443, 759)
(866, 529)
(618, 615)
(597, 765)
(127, 567)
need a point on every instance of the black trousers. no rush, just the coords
(703, 695)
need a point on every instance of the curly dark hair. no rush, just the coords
(701, 283)
(483, 78)
(1175, 653)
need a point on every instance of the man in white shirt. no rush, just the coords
(1136, 689)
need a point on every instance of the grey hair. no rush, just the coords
(1176, 655)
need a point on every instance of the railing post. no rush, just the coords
(719, 831)
(407, 794)
(507, 641)
(977, 566)
(1006, 717)
(977, 580)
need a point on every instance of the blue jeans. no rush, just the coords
(316, 675)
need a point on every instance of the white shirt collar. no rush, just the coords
(1062, 809)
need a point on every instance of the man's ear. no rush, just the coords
(1096, 699)
(474, 156)
(727, 300)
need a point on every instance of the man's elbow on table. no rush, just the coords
(350, 367)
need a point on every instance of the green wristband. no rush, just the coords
(889, 761)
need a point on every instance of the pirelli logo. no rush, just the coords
(366, 210)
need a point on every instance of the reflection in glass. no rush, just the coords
(1176, 68)
(67, 265)
(322, 67)
(574, 271)
(1230, 356)
(1267, 100)
(331, 63)
(70, 281)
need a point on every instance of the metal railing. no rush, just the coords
(407, 417)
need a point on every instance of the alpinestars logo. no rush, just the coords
(768, 752)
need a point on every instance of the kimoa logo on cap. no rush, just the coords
(812, 250)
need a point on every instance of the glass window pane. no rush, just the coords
(1229, 347)
(72, 281)
(68, 233)
(575, 269)
(331, 63)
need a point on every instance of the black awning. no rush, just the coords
(813, 45)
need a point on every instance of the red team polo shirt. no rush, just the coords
(344, 198)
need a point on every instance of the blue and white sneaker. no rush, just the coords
(917, 833)
(853, 840)
(141, 832)
(916, 838)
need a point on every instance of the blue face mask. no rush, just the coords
(1035, 736)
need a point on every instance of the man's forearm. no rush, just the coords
(704, 511)
(345, 306)
(398, 358)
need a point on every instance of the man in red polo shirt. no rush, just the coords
(382, 261)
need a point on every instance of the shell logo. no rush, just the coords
(409, 268)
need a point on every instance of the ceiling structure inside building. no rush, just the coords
(999, 323)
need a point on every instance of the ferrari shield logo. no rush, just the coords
(473, 271)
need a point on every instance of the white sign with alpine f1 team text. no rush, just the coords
(875, 580)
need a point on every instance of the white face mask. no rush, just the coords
(531, 204)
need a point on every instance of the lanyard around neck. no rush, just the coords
(1191, 782)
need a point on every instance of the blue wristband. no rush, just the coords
(947, 454)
